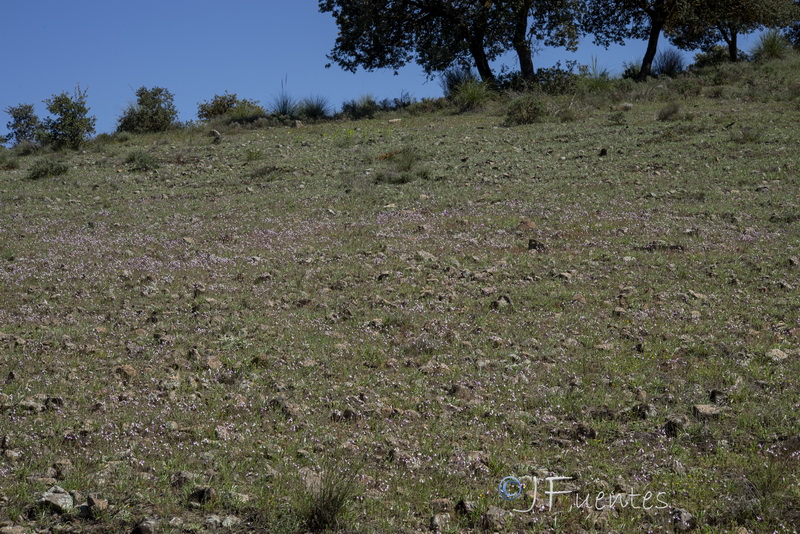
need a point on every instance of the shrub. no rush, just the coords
(364, 107)
(154, 111)
(284, 104)
(471, 95)
(231, 109)
(7, 162)
(557, 80)
(631, 70)
(72, 125)
(670, 112)
(427, 105)
(526, 109)
(771, 45)
(24, 124)
(668, 63)
(716, 55)
(314, 108)
(141, 161)
(453, 78)
(324, 507)
(47, 167)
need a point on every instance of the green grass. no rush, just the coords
(364, 290)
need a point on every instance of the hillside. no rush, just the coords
(201, 336)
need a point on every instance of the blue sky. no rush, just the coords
(197, 49)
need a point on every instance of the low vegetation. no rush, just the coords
(365, 326)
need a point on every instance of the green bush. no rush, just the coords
(154, 111)
(631, 70)
(364, 107)
(24, 125)
(71, 125)
(668, 63)
(284, 104)
(670, 112)
(141, 161)
(324, 507)
(526, 109)
(771, 45)
(44, 168)
(7, 161)
(471, 95)
(314, 108)
(230, 108)
(452, 79)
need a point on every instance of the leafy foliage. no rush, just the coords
(771, 45)
(71, 125)
(364, 107)
(471, 95)
(141, 161)
(231, 108)
(24, 124)
(668, 63)
(47, 167)
(154, 111)
(526, 109)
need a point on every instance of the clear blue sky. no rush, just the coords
(197, 49)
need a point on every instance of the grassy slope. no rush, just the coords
(291, 297)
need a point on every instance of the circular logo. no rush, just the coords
(510, 488)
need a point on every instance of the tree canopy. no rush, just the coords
(438, 34)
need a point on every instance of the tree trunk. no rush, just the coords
(521, 44)
(481, 62)
(733, 50)
(652, 47)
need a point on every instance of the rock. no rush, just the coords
(619, 312)
(718, 397)
(423, 256)
(565, 276)
(96, 504)
(776, 355)
(125, 372)
(501, 303)
(674, 424)
(13, 529)
(535, 244)
(440, 522)
(466, 507)
(202, 495)
(441, 506)
(682, 520)
(706, 411)
(230, 521)
(297, 124)
(148, 526)
(493, 518)
(57, 500)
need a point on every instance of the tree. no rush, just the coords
(438, 34)
(154, 111)
(612, 21)
(24, 124)
(705, 24)
(71, 125)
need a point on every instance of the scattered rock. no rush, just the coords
(718, 397)
(441, 506)
(493, 518)
(96, 504)
(535, 244)
(57, 500)
(440, 522)
(466, 507)
(674, 424)
(202, 495)
(501, 303)
(776, 355)
(424, 256)
(706, 411)
(148, 526)
(125, 372)
(13, 529)
(682, 520)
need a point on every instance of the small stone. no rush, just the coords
(125, 372)
(57, 500)
(682, 520)
(501, 303)
(776, 355)
(565, 276)
(619, 312)
(203, 495)
(466, 507)
(706, 411)
(441, 506)
(674, 424)
(493, 519)
(230, 521)
(535, 244)
(96, 504)
(440, 522)
(148, 526)
(423, 256)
